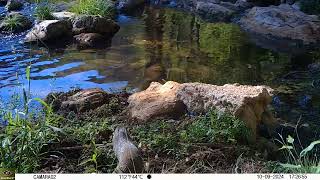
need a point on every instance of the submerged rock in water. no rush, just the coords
(49, 31)
(127, 5)
(282, 21)
(14, 5)
(23, 23)
(93, 40)
(248, 103)
(94, 24)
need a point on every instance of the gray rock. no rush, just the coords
(282, 22)
(94, 24)
(14, 5)
(127, 5)
(49, 30)
(64, 15)
(23, 23)
(214, 12)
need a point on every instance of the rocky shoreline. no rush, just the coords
(281, 22)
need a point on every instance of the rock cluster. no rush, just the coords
(88, 31)
(248, 103)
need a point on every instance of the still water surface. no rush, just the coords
(161, 44)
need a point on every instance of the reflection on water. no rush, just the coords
(155, 45)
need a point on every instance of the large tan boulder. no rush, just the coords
(249, 103)
(156, 101)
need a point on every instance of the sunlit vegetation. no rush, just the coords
(104, 8)
(44, 12)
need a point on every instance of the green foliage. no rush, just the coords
(166, 137)
(44, 12)
(22, 138)
(13, 23)
(303, 162)
(158, 137)
(216, 128)
(88, 132)
(310, 6)
(104, 8)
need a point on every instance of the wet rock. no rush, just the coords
(156, 101)
(81, 101)
(91, 40)
(127, 5)
(3, 2)
(243, 4)
(64, 15)
(248, 103)
(14, 5)
(214, 12)
(49, 31)
(23, 22)
(94, 24)
(282, 22)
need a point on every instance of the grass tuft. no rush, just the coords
(103, 8)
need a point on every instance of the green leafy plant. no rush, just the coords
(104, 8)
(302, 162)
(22, 139)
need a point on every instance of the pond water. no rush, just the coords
(161, 44)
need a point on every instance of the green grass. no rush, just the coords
(44, 12)
(13, 23)
(103, 8)
(172, 139)
(22, 138)
(28, 138)
(216, 128)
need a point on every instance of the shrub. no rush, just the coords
(104, 8)
(310, 6)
